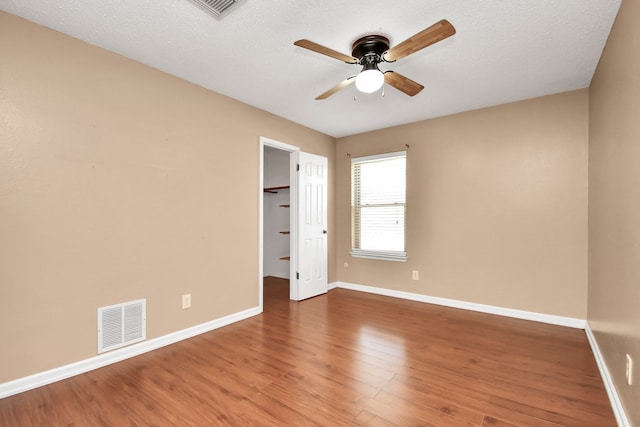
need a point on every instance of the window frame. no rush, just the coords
(386, 255)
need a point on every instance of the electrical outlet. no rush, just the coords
(415, 275)
(186, 301)
(346, 265)
(629, 372)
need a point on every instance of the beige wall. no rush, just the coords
(496, 206)
(120, 182)
(614, 204)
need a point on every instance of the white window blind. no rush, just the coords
(378, 206)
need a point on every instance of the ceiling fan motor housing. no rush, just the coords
(369, 49)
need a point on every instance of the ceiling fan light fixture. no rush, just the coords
(369, 81)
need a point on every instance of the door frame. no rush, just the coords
(293, 216)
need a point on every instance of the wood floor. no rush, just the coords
(342, 359)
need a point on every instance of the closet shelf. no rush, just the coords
(274, 190)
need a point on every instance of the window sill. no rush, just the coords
(379, 255)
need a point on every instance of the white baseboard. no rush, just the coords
(332, 285)
(501, 311)
(614, 398)
(47, 377)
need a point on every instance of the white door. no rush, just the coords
(312, 226)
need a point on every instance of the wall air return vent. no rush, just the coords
(217, 7)
(122, 324)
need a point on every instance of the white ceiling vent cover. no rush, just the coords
(122, 324)
(216, 7)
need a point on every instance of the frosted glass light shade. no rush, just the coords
(369, 81)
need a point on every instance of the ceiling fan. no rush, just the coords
(371, 50)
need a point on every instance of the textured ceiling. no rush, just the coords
(503, 51)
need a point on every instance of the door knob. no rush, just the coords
(324, 231)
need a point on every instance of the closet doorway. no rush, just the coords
(293, 219)
(278, 251)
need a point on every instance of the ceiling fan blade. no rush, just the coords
(336, 88)
(307, 44)
(402, 83)
(435, 33)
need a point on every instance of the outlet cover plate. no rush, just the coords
(186, 301)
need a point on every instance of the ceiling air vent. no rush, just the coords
(216, 7)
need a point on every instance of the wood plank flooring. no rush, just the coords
(342, 359)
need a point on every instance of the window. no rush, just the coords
(378, 196)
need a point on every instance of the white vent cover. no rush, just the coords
(216, 7)
(122, 324)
